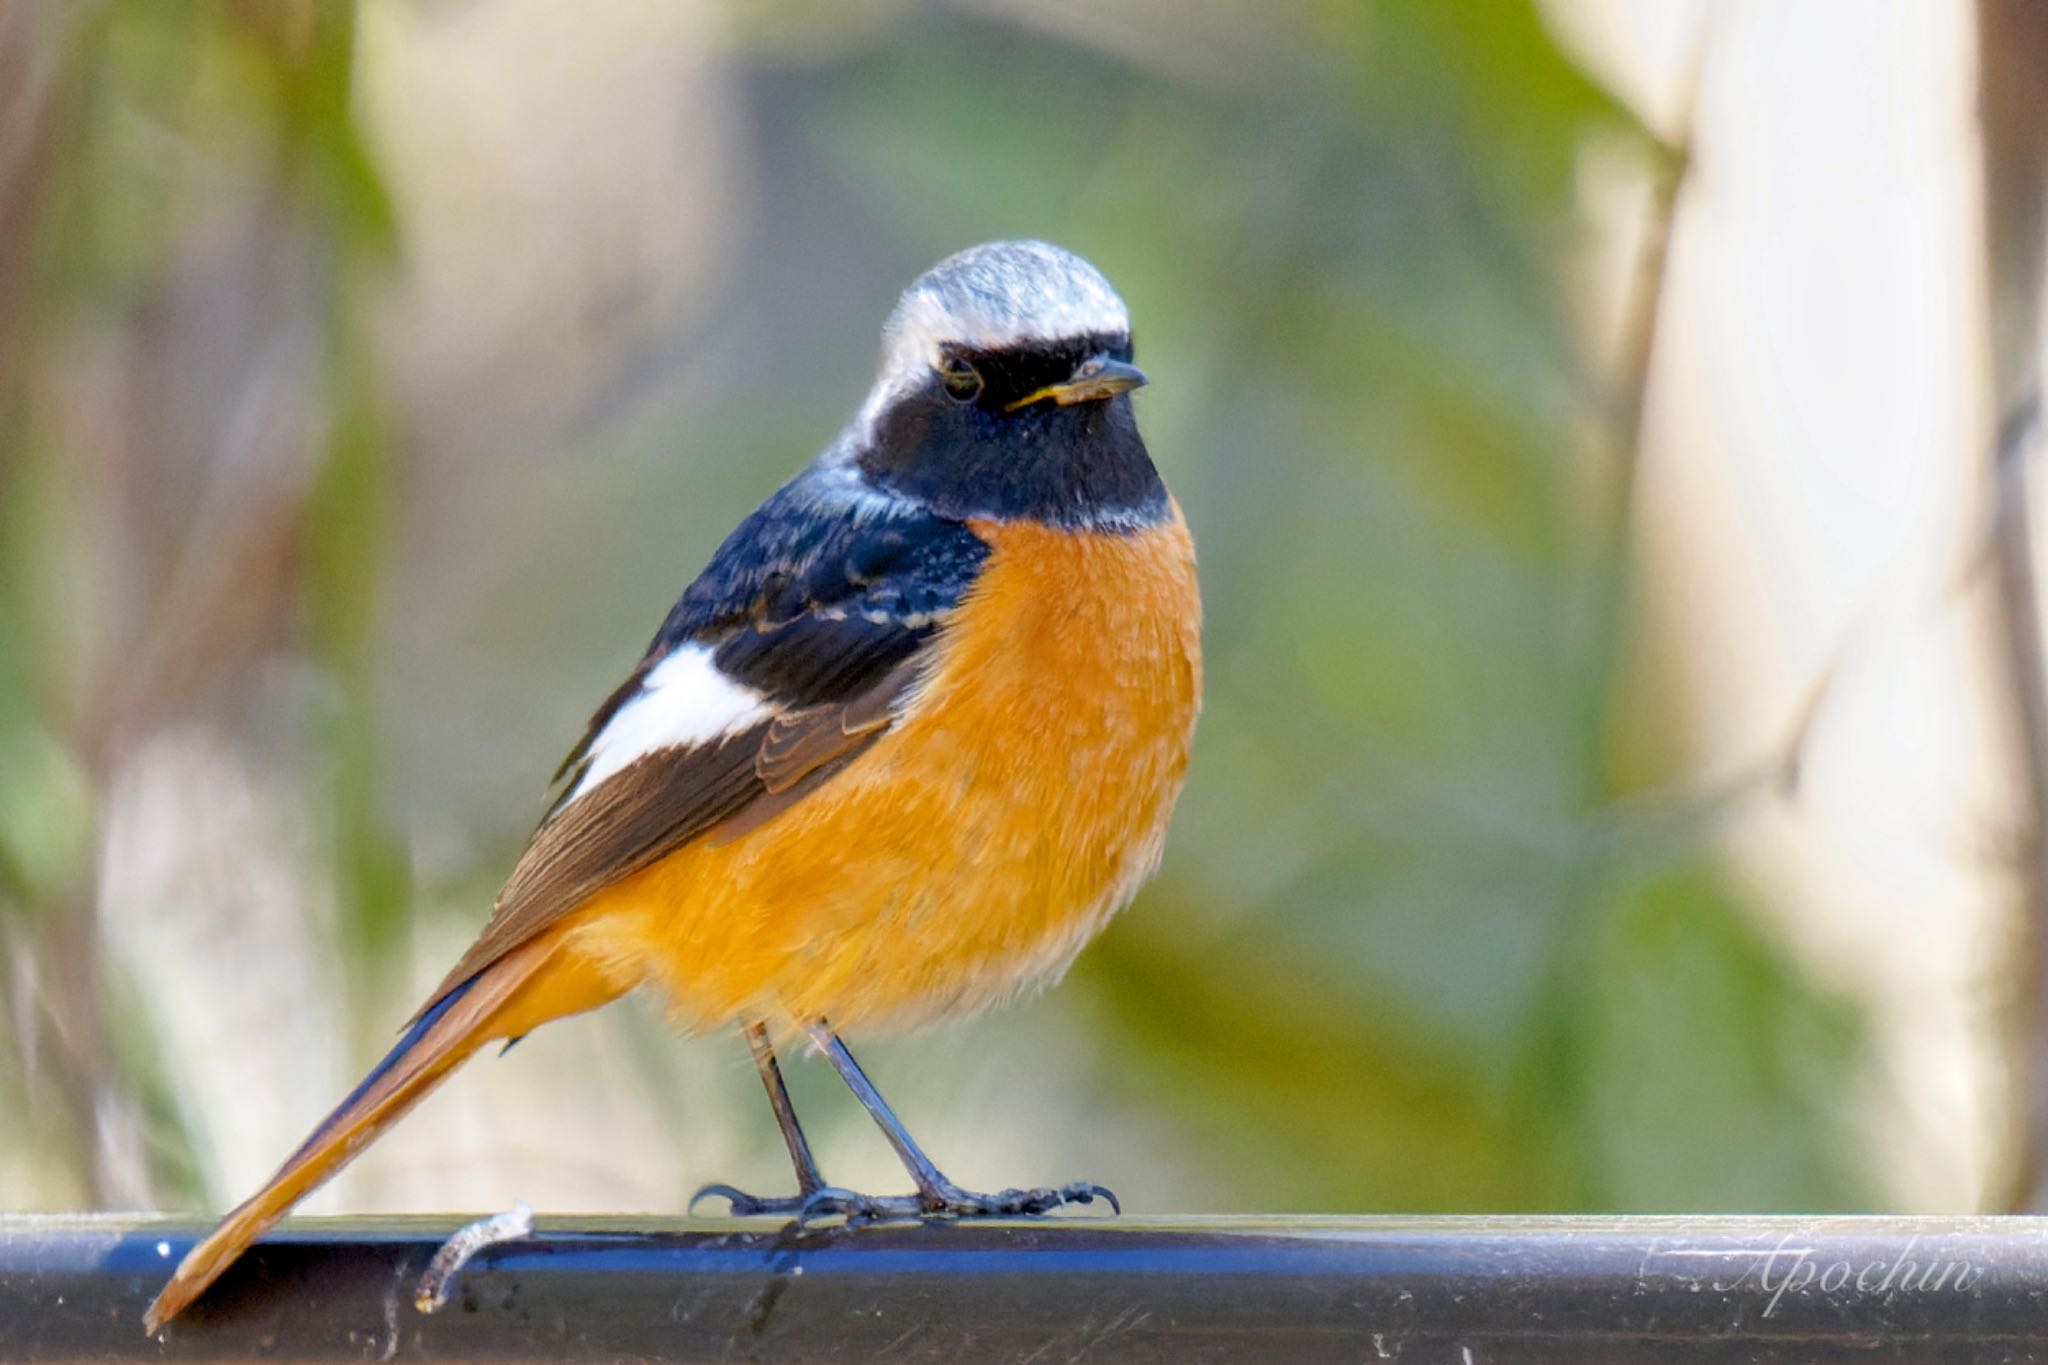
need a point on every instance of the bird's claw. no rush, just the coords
(1079, 1192)
(740, 1204)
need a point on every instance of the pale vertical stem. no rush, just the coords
(2013, 103)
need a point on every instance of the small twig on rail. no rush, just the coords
(456, 1252)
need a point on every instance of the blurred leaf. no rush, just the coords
(46, 819)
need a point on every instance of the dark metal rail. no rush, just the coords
(1298, 1290)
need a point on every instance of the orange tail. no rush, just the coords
(527, 987)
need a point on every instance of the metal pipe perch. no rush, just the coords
(1299, 1289)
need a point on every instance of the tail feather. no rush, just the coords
(527, 987)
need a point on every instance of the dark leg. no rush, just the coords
(935, 1193)
(808, 1181)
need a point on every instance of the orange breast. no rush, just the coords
(971, 852)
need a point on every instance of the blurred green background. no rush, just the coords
(372, 377)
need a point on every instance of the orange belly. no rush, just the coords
(972, 851)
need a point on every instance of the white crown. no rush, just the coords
(988, 297)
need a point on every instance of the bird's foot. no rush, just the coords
(944, 1201)
(950, 1201)
(947, 1201)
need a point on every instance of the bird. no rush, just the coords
(895, 756)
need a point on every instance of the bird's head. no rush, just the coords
(1002, 393)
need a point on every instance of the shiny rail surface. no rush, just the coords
(1295, 1290)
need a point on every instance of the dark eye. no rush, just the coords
(961, 379)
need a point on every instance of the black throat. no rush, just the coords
(1083, 466)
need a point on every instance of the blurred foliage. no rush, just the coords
(1411, 949)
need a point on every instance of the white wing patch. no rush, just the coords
(685, 700)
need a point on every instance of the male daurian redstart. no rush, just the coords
(899, 752)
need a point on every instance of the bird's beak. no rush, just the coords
(1099, 376)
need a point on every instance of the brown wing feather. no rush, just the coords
(804, 756)
(799, 743)
(668, 797)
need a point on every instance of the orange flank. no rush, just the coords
(971, 852)
(522, 990)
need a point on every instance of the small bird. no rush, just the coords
(896, 755)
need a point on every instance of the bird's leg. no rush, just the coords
(808, 1181)
(936, 1195)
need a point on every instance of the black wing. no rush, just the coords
(813, 598)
